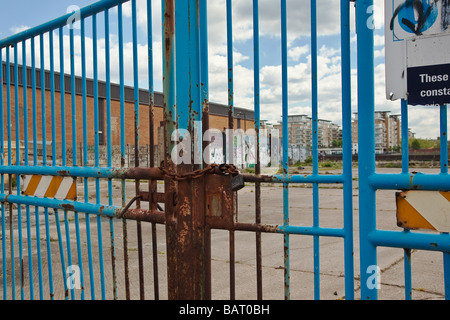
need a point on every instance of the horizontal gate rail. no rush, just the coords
(88, 172)
(88, 11)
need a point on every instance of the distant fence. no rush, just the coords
(413, 156)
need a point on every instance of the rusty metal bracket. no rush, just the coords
(223, 181)
(222, 169)
(125, 209)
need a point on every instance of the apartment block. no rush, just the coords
(300, 131)
(387, 132)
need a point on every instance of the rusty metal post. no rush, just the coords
(152, 184)
(185, 203)
(205, 127)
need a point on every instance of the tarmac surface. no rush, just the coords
(427, 266)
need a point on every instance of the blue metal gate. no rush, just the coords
(191, 205)
(370, 181)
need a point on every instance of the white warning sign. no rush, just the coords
(417, 38)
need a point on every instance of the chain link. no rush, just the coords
(224, 169)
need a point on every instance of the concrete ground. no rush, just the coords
(427, 267)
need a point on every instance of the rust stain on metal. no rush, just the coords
(169, 24)
(258, 178)
(220, 201)
(63, 173)
(139, 214)
(69, 207)
(184, 208)
(140, 174)
(239, 226)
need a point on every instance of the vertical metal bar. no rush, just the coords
(108, 89)
(8, 104)
(314, 103)
(11, 236)
(405, 169)
(2, 186)
(136, 143)
(204, 80)
(35, 161)
(52, 96)
(186, 264)
(182, 40)
(49, 255)
(96, 151)
(61, 254)
(63, 96)
(43, 89)
(347, 149)
(443, 139)
(44, 163)
(444, 170)
(54, 156)
(69, 250)
(85, 156)
(74, 154)
(109, 152)
(26, 142)
(122, 147)
(63, 140)
(168, 22)
(366, 133)
(79, 254)
(17, 127)
(33, 99)
(230, 77)
(230, 127)
(447, 275)
(408, 283)
(25, 102)
(73, 97)
(152, 184)
(284, 68)
(257, 127)
(405, 146)
(204, 52)
(8, 119)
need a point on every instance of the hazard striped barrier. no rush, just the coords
(423, 210)
(57, 187)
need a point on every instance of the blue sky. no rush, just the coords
(19, 14)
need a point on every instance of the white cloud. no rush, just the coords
(17, 29)
(296, 53)
(378, 40)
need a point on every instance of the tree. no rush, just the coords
(415, 144)
(336, 143)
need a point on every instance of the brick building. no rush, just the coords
(218, 114)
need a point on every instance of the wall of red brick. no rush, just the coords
(216, 121)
